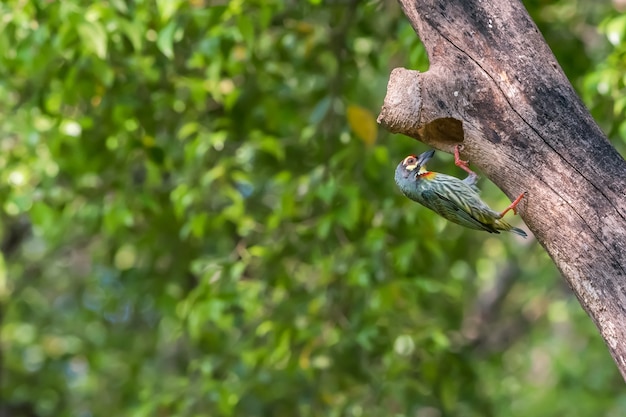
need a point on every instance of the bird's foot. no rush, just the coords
(514, 204)
(464, 165)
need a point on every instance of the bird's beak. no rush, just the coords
(425, 157)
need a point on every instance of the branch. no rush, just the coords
(494, 85)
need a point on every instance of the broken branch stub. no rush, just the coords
(403, 103)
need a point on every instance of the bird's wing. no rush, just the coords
(454, 210)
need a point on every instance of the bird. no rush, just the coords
(452, 198)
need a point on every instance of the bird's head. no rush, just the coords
(413, 165)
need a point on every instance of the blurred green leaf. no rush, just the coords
(167, 9)
(165, 39)
(94, 37)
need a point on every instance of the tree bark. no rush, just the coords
(495, 86)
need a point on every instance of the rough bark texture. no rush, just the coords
(495, 86)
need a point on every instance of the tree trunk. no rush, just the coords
(495, 86)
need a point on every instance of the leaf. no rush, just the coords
(94, 38)
(165, 40)
(120, 6)
(363, 124)
(197, 224)
(133, 32)
(167, 8)
(246, 28)
(320, 110)
(188, 129)
(615, 29)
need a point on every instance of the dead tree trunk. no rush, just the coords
(495, 86)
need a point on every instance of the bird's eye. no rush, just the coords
(409, 161)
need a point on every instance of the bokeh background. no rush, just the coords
(198, 218)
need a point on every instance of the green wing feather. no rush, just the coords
(456, 212)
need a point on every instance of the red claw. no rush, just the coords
(464, 165)
(513, 205)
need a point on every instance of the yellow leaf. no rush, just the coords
(148, 141)
(363, 124)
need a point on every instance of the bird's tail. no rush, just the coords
(518, 231)
(502, 225)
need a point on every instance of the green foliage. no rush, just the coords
(215, 228)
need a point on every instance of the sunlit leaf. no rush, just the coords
(167, 8)
(94, 37)
(165, 39)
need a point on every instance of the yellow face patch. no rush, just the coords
(410, 163)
